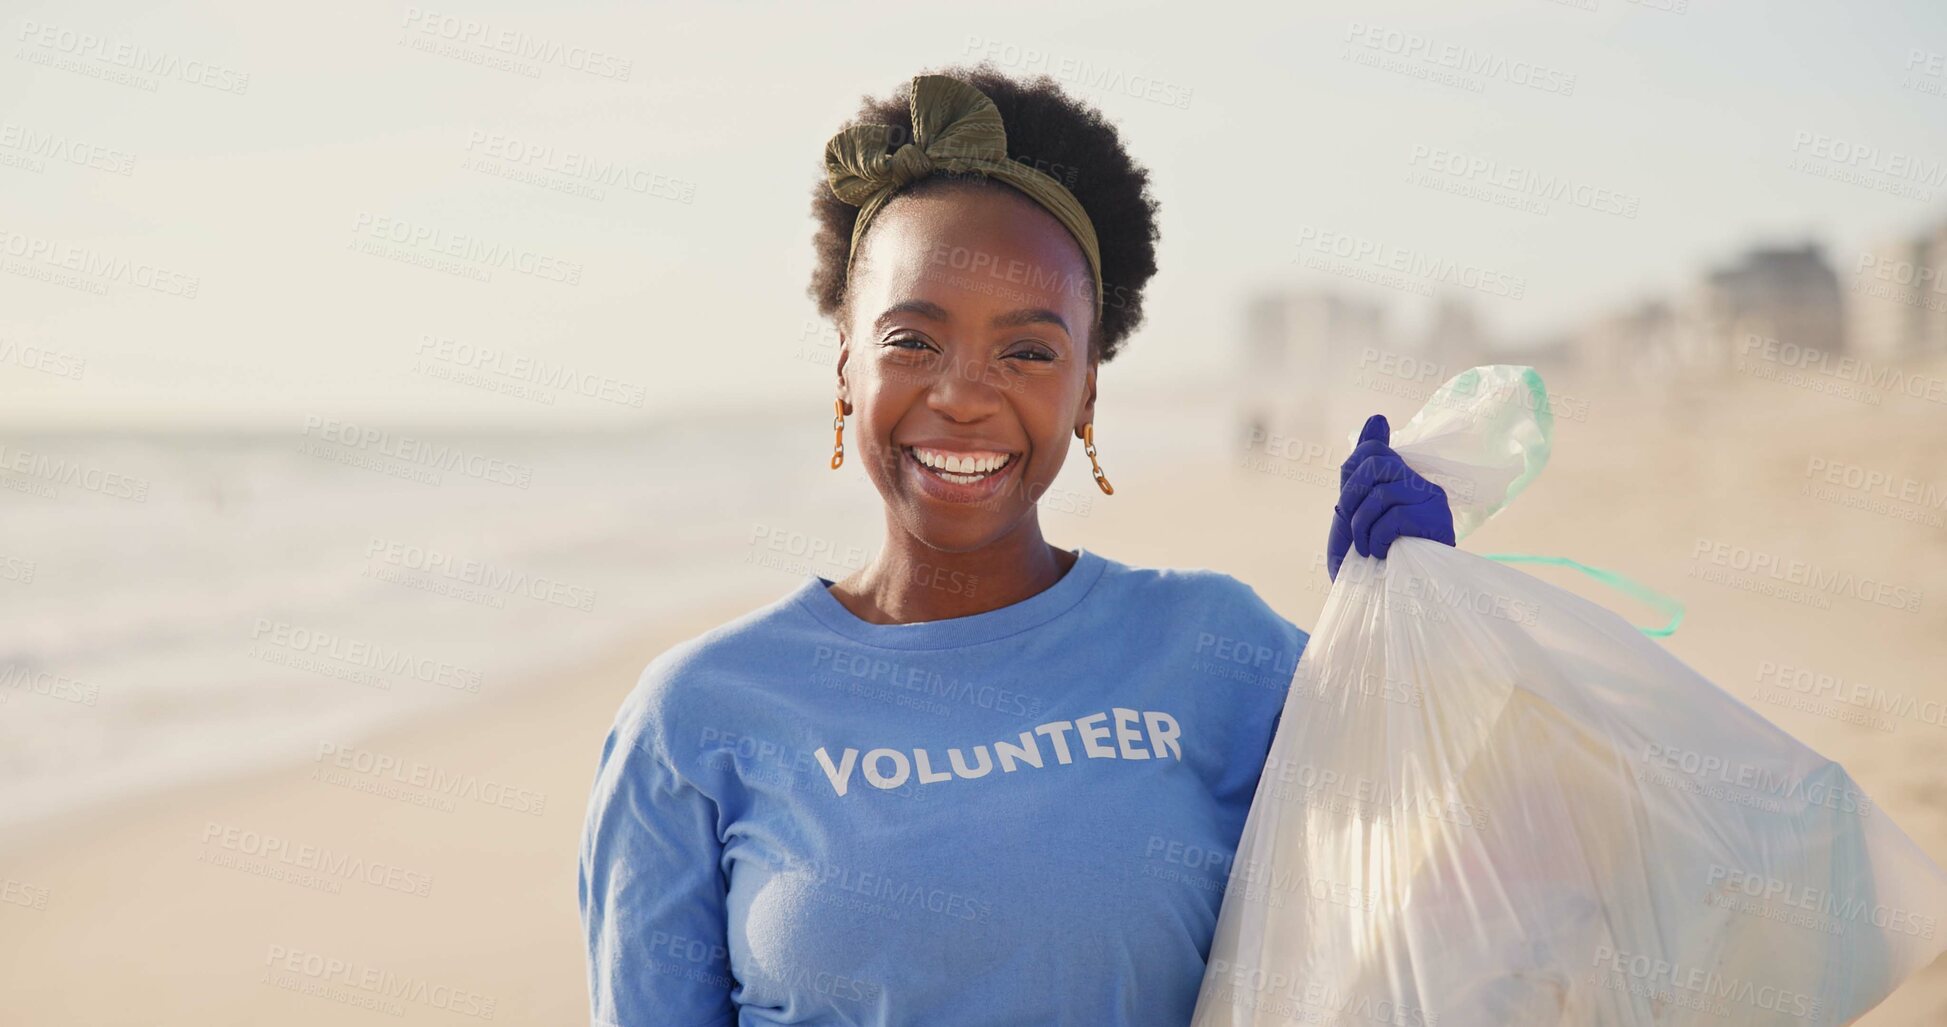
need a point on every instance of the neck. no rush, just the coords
(910, 581)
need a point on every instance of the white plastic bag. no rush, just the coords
(1492, 802)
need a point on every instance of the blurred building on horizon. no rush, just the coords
(1898, 296)
(1772, 302)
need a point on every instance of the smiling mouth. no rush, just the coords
(960, 468)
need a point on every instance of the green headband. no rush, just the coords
(956, 128)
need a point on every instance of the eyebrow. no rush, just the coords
(1012, 319)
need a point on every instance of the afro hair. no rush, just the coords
(1063, 138)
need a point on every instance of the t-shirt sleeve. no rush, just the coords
(1288, 638)
(652, 889)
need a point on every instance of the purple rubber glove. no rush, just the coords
(1382, 499)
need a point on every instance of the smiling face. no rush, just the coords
(966, 360)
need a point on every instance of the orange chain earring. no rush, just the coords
(838, 433)
(1088, 446)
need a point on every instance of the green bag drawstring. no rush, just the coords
(1633, 589)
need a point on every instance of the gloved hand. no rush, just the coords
(1382, 499)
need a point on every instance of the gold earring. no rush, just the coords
(1088, 446)
(838, 436)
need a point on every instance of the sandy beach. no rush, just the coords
(196, 907)
(382, 390)
(173, 900)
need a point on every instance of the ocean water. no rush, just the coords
(175, 606)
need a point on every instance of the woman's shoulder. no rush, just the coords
(696, 679)
(1210, 597)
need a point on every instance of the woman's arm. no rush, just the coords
(653, 896)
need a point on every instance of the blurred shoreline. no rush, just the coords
(1652, 485)
(497, 919)
(181, 606)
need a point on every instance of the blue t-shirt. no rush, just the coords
(1022, 816)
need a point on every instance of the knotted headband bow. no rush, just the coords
(957, 129)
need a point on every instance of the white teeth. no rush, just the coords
(961, 469)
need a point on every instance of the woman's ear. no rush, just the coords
(1086, 413)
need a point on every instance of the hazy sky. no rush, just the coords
(297, 169)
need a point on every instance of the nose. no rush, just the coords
(964, 390)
